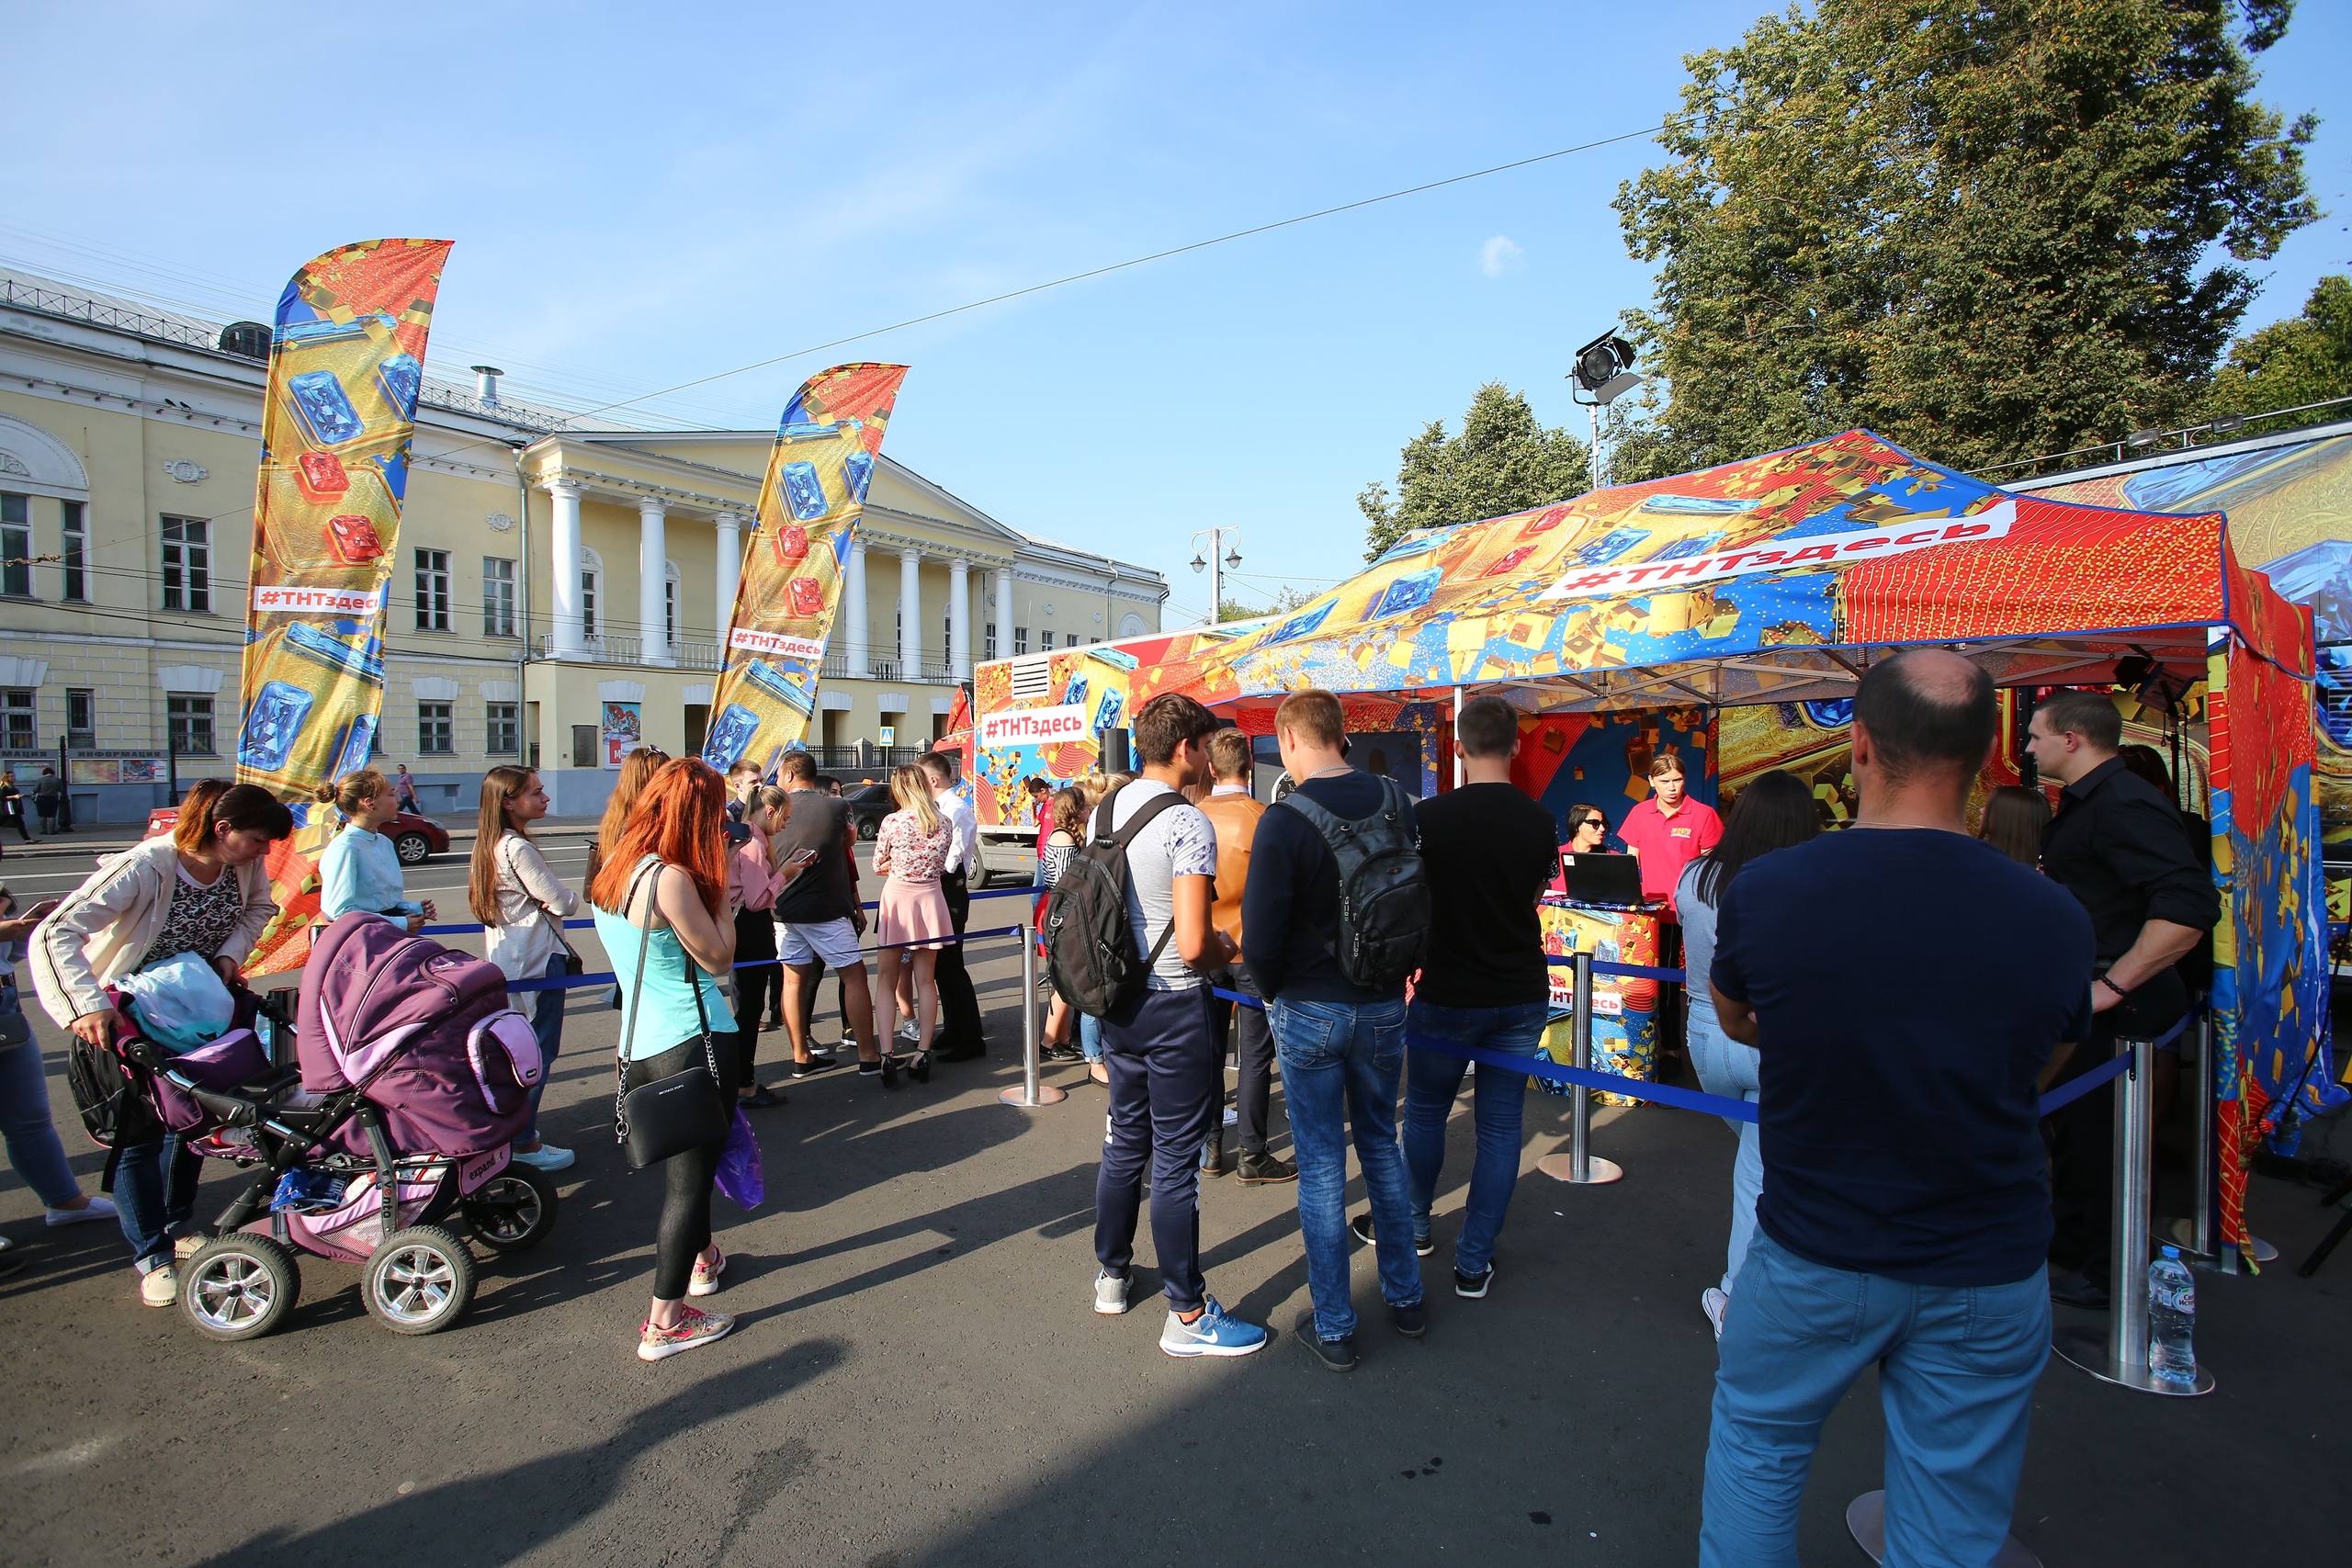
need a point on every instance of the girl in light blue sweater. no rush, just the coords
(361, 870)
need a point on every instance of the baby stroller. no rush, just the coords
(410, 1078)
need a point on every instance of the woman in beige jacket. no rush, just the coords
(204, 889)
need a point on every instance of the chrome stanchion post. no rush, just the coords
(1578, 1165)
(1031, 1093)
(2201, 1222)
(2119, 1354)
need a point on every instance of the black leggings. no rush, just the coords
(759, 990)
(685, 1230)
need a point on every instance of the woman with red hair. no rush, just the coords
(660, 907)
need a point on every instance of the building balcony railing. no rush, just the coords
(631, 650)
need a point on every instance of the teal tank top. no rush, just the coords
(659, 1015)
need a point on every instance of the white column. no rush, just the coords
(909, 614)
(731, 570)
(652, 578)
(1003, 618)
(568, 643)
(860, 651)
(959, 618)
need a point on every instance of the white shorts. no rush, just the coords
(835, 941)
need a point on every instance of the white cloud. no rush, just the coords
(1501, 255)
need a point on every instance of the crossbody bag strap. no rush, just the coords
(636, 989)
(694, 983)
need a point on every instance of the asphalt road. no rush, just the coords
(916, 1377)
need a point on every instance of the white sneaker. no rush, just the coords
(187, 1247)
(1713, 1303)
(694, 1327)
(1109, 1296)
(910, 1030)
(159, 1287)
(546, 1157)
(97, 1208)
(704, 1281)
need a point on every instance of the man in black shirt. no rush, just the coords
(819, 922)
(1341, 1044)
(1487, 851)
(2115, 844)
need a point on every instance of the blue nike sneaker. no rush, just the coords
(1211, 1334)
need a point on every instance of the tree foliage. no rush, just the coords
(2304, 359)
(1982, 227)
(1503, 461)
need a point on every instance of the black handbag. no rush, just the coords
(668, 1116)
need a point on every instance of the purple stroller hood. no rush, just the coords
(425, 1031)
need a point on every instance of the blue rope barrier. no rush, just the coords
(605, 977)
(1694, 1099)
(583, 925)
(1631, 971)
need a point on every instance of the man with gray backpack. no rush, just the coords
(1128, 940)
(1333, 922)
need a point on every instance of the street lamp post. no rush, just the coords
(1219, 558)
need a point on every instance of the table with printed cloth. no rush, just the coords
(1624, 1010)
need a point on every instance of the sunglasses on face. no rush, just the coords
(1594, 822)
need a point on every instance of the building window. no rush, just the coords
(187, 565)
(17, 730)
(497, 597)
(81, 716)
(1020, 641)
(670, 611)
(505, 729)
(76, 547)
(188, 722)
(432, 591)
(16, 547)
(588, 604)
(1045, 639)
(436, 731)
(988, 641)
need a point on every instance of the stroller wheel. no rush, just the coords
(240, 1287)
(514, 1211)
(420, 1280)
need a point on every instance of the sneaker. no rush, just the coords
(1110, 1294)
(910, 1030)
(694, 1327)
(546, 1157)
(869, 1069)
(96, 1209)
(815, 1064)
(1211, 1334)
(160, 1286)
(1472, 1287)
(1331, 1355)
(704, 1281)
(1411, 1322)
(1255, 1168)
(1361, 1227)
(1713, 1303)
(189, 1246)
(1061, 1054)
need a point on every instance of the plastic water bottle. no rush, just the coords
(2172, 1320)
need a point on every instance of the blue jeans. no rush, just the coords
(33, 1147)
(547, 1027)
(1340, 1063)
(1728, 1069)
(1431, 1082)
(155, 1192)
(1090, 1037)
(1957, 1367)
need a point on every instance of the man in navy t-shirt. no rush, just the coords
(1906, 986)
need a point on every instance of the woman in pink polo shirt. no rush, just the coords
(1670, 830)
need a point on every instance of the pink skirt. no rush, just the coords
(914, 912)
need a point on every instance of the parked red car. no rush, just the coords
(415, 838)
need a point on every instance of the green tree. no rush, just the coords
(2305, 359)
(1503, 461)
(1982, 227)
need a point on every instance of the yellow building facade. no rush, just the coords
(557, 581)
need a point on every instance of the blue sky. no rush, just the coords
(642, 196)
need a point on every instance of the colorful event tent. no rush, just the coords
(1775, 582)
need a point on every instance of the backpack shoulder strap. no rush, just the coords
(1120, 838)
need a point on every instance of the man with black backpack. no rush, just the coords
(1129, 940)
(1335, 918)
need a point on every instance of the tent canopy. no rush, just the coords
(1770, 580)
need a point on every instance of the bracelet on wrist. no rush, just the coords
(2121, 994)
